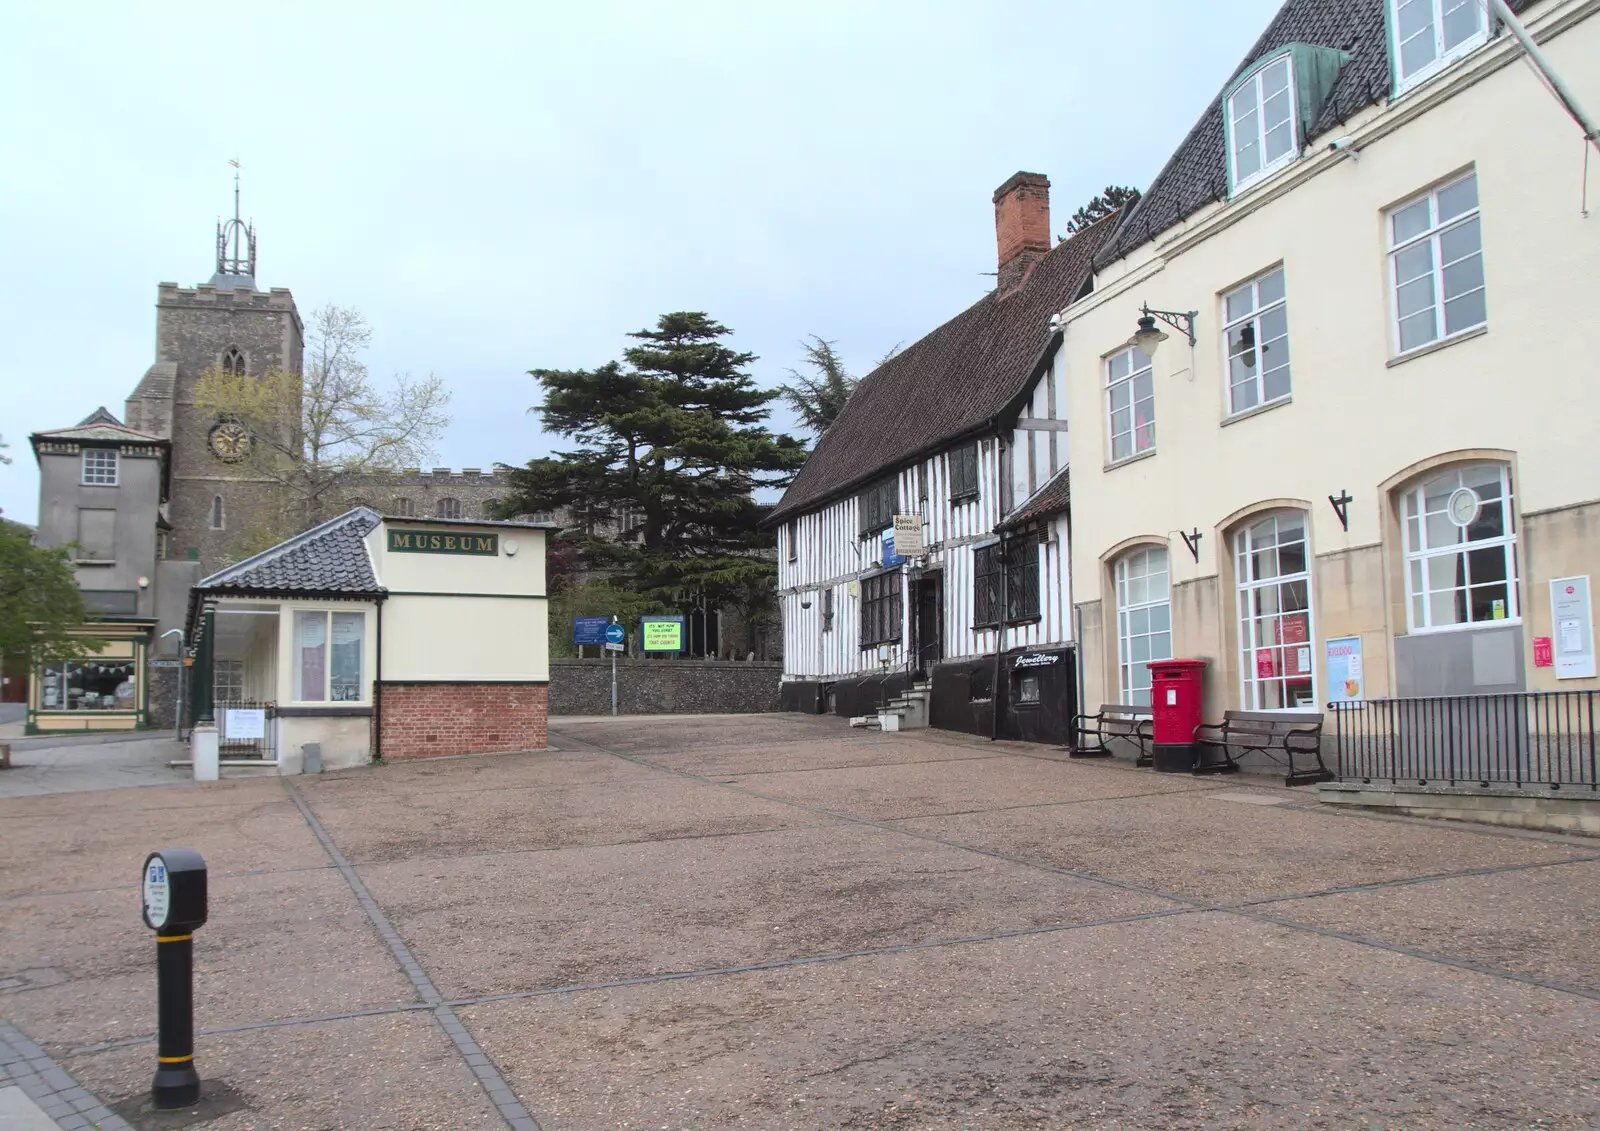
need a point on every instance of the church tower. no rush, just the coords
(218, 496)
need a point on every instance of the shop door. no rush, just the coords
(930, 630)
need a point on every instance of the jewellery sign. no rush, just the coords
(442, 542)
(1573, 622)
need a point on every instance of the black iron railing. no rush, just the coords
(1536, 739)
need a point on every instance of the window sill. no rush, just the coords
(1470, 626)
(1126, 460)
(967, 497)
(1436, 346)
(1265, 175)
(94, 561)
(98, 484)
(1246, 414)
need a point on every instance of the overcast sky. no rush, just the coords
(500, 187)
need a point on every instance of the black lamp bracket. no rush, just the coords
(1178, 319)
(1341, 507)
(1193, 542)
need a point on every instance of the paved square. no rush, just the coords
(778, 922)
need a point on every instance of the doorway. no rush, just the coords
(929, 607)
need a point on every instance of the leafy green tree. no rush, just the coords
(670, 447)
(1103, 205)
(818, 397)
(39, 599)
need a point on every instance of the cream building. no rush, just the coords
(1382, 435)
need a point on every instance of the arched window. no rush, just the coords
(1144, 620)
(449, 508)
(405, 508)
(233, 362)
(216, 512)
(1274, 592)
(1461, 548)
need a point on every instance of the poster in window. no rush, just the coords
(1346, 681)
(1266, 664)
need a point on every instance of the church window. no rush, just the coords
(405, 508)
(449, 508)
(216, 512)
(233, 362)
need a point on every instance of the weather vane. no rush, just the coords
(240, 258)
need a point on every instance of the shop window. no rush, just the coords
(877, 504)
(1436, 266)
(964, 474)
(980, 683)
(1257, 334)
(328, 656)
(880, 609)
(1027, 692)
(1130, 403)
(827, 609)
(1461, 549)
(1428, 35)
(99, 467)
(1274, 597)
(88, 685)
(1144, 620)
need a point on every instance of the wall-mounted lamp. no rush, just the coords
(805, 604)
(1341, 507)
(144, 583)
(1147, 338)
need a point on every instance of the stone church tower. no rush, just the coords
(226, 322)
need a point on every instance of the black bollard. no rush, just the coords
(174, 905)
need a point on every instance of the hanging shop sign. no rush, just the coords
(661, 634)
(1037, 660)
(908, 536)
(443, 542)
(1573, 622)
(1347, 681)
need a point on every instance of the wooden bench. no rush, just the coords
(1280, 735)
(1114, 720)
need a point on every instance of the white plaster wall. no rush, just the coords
(465, 638)
(522, 572)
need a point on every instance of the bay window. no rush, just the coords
(1272, 568)
(329, 652)
(1461, 549)
(1130, 403)
(1144, 620)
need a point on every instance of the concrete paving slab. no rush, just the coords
(869, 749)
(38, 771)
(19, 1113)
(1542, 922)
(395, 1073)
(176, 795)
(1198, 1021)
(541, 769)
(275, 946)
(931, 788)
(70, 849)
(661, 733)
(1191, 844)
(492, 924)
(428, 823)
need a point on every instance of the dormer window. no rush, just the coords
(1428, 35)
(1261, 136)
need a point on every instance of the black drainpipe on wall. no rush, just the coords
(377, 693)
(1000, 555)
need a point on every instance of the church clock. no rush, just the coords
(230, 441)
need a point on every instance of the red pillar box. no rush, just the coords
(1175, 687)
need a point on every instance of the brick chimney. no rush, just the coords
(1021, 227)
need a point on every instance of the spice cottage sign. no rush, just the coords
(442, 542)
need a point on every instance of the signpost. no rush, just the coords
(174, 890)
(616, 639)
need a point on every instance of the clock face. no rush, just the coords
(230, 441)
(1463, 506)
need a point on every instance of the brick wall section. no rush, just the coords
(664, 687)
(430, 720)
(1021, 227)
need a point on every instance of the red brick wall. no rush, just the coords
(429, 720)
(1021, 227)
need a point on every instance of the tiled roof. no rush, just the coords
(99, 425)
(1051, 499)
(1197, 174)
(948, 383)
(330, 558)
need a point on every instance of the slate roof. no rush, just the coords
(98, 425)
(1197, 175)
(946, 385)
(330, 558)
(1051, 499)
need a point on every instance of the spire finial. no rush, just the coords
(236, 244)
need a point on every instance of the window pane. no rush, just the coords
(1490, 523)
(1446, 572)
(1418, 330)
(1122, 446)
(348, 629)
(1411, 221)
(1143, 386)
(1415, 297)
(1280, 138)
(1240, 302)
(1460, 241)
(1275, 383)
(1462, 20)
(1463, 276)
(1117, 367)
(1244, 101)
(1139, 621)
(1418, 52)
(1120, 395)
(1270, 287)
(1465, 312)
(1138, 590)
(1446, 608)
(1292, 558)
(1486, 565)
(1488, 602)
(1161, 616)
(1463, 195)
(1247, 154)
(311, 656)
(1141, 360)
(1160, 647)
(1415, 262)
(1243, 396)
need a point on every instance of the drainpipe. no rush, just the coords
(377, 693)
(1000, 553)
(1541, 64)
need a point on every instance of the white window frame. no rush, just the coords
(1245, 588)
(1125, 610)
(1442, 57)
(98, 478)
(1135, 371)
(1254, 315)
(1254, 83)
(1417, 557)
(296, 671)
(1436, 230)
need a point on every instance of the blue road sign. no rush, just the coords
(589, 630)
(616, 636)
